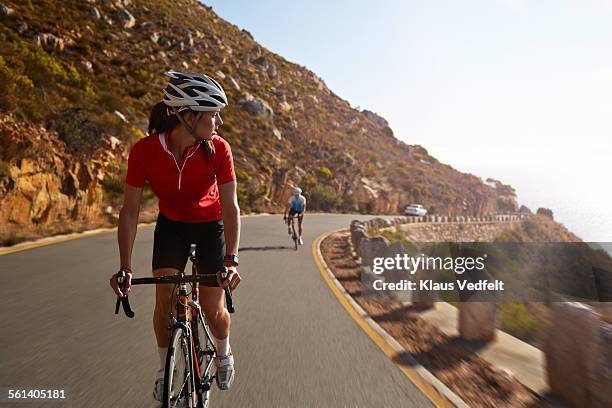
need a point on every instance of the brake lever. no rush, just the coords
(228, 293)
(124, 300)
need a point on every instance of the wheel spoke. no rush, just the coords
(178, 397)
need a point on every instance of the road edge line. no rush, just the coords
(41, 242)
(438, 393)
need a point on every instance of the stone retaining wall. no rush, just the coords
(359, 229)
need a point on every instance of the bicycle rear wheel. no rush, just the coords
(178, 380)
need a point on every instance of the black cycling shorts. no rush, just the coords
(300, 214)
(172, 240)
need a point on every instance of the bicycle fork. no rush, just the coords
(183, 309)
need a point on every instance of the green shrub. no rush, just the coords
(41, 67)
(137, 92)
(516, 320)
(84, 50)
(243, 196)
(114, 185)
(265, 168)
(324, 198)
(242, 175)
(147, 194)
(11, 78)
(111, 101)
(349, 202)
(325, 172)
(369, 207)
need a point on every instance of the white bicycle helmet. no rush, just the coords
(297, 190)
(190, 90)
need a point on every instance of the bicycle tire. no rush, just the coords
(177, 376)
(294, 234)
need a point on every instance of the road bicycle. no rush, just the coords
(188, 376)
(291, 230)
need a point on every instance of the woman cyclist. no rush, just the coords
(190, 169)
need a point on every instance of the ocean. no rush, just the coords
(581, 201)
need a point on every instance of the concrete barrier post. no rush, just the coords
(578, 354)
(477, 321)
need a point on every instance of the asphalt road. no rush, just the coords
(294, 344)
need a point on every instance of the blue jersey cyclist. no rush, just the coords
(296, 206)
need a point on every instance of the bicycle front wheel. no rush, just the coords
(205, 355)
(178, 379)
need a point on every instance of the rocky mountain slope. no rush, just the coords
(77, 81)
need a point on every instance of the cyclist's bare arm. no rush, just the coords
(126, 233)
(287, 207)
(128, 222)
(231, 228)
(231, 216)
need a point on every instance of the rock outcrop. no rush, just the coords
(256, 106)
(41, 185)
(545, 212)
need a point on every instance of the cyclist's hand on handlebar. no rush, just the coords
(128, 284)
(232, 280)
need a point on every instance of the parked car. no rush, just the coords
(415, 210)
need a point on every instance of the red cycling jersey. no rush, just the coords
(187, 190)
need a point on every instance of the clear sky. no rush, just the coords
(519, 90)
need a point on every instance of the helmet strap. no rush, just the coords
(208, 145)
(189, 128)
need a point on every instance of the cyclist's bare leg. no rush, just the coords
(219, 324)
(300, 222)
(212, 302)
(164, 303)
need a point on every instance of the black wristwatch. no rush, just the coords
(232, 259)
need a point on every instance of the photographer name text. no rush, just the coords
(481, 285)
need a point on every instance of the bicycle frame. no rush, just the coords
(188, 315)
(182, 307)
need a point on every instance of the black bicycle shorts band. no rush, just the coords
(300, 214)
(172, 240)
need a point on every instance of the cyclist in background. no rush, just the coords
(296, 205)
(191, 170)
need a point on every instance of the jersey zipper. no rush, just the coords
(162, 140)
(184, 163)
